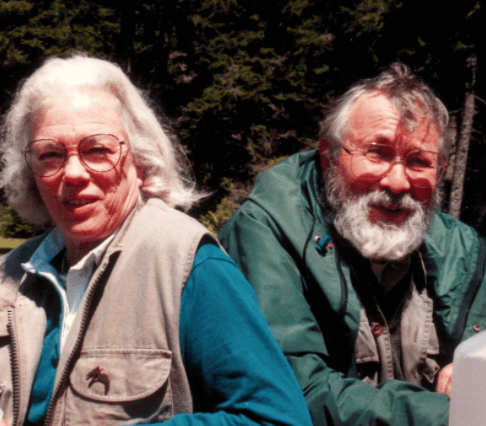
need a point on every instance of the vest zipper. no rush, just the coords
(55, 393)
(15, 368)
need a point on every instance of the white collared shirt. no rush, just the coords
(71, 291)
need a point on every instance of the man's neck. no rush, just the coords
(390, 273)
(378, 269)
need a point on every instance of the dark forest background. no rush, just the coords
(245, 83)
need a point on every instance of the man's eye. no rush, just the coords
(379, 152)
(420, 160)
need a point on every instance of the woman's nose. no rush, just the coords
(74, 169)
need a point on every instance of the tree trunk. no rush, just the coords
(452, 136)
(127, 31)
(462, 148)
(163, 46)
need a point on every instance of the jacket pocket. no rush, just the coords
(117, 386)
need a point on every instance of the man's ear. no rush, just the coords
(324, 151)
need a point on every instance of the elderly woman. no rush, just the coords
(126, 311)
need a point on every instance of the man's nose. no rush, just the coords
(396, 180)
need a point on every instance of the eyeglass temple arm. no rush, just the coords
(346, 149)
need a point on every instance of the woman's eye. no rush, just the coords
(96, 150)
(48, 155)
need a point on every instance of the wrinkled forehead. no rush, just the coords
(381, 118)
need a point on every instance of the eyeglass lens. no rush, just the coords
(377, 160)
(100, 153)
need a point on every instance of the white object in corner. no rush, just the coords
(468, 397)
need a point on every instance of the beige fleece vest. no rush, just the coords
(121, 363)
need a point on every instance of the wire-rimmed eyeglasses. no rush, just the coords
(100, 153)
(374, 161)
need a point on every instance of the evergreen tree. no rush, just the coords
(247, 82)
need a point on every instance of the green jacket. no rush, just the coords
(313, 309)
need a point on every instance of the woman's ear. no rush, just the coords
(324, 151)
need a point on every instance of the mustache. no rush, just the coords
(386, 240)
(398, 201)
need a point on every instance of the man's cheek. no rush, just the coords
(423, 192)
(362, 186)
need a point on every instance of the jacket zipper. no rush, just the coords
(15, 368)
(55, 393)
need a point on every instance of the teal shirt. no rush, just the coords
(236, 370)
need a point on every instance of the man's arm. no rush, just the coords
(253, 241)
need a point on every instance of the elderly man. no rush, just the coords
(366, 307)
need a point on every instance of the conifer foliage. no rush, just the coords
(245, 83)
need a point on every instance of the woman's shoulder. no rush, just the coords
(158, 214)
(158, 227)
(11, 261)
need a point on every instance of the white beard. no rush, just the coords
(385, 241)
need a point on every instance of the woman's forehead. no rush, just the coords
(82, 96)
(84, 108)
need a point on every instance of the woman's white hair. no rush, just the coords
(151, 143)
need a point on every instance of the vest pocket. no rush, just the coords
(117, 385)
(366, 353)
(6, 382)
(431, 367)
(3, 323)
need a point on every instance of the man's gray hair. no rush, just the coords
(151, 142)
(407, 92)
